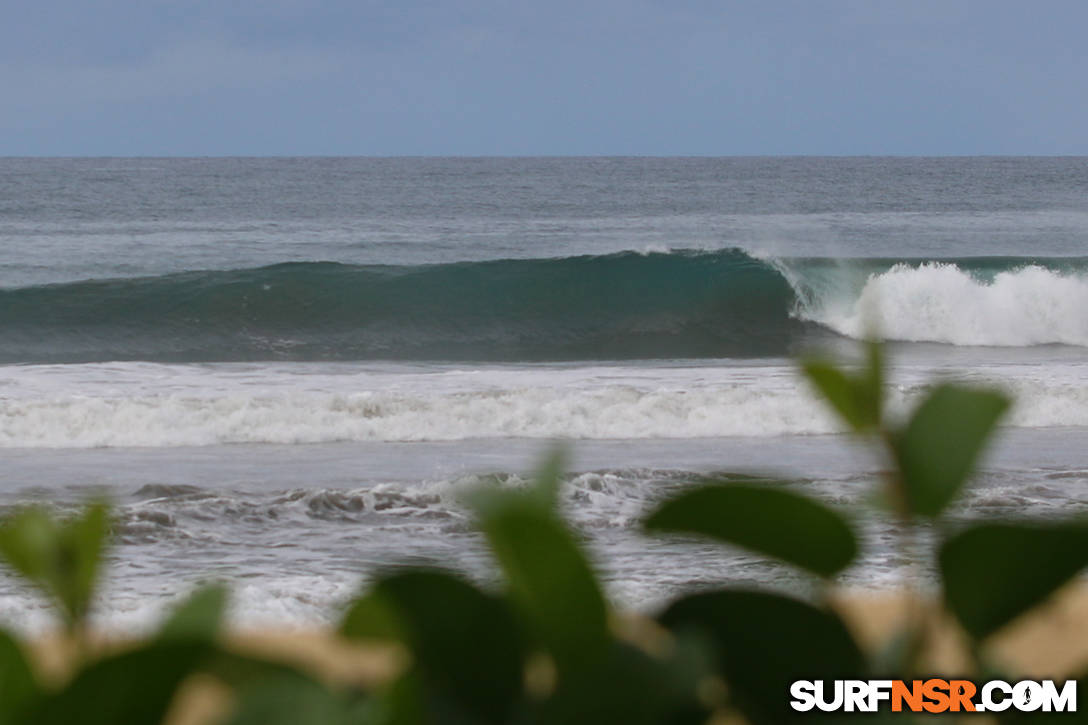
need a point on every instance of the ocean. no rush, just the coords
(286, 373)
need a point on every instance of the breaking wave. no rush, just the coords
(657, 305)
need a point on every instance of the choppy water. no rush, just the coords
(286, 372)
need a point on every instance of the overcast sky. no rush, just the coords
(548, 77)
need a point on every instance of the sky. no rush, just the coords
(548, 77)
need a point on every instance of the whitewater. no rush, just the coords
(154, 405)
(291, 390)
(940, 302)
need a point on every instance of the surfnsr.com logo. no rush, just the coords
(933, 695)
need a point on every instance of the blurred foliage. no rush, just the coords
(544, 646)
(61, 560)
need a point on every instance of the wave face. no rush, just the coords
(622, 306)
(660, 305)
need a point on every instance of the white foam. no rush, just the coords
(938, 302)
(606, 413)
(152, 405)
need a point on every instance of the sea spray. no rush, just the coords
(940, 302)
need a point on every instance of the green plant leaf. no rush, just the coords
(293, 700)
(402, 702)
(466, 644)
(542, 494)
(135, 687)
(764, 642)
(17, 684)
(240, 671)
(857, 398)
(937, 451)
(372, 616)
(765, 519)
(60, 558)
(548, 479)
(198, 617)
(549, 579)
(994, 572)
(629, 686)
